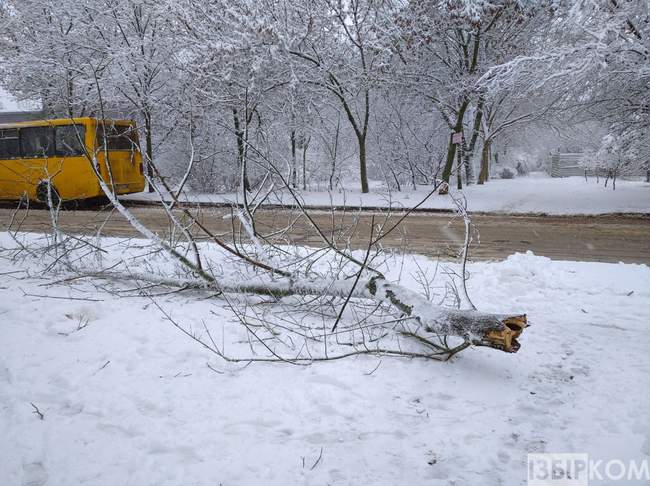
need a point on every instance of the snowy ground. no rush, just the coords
(128, 400)
(536, 193)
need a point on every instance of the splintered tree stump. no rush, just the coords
(506, 339)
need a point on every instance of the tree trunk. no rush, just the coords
(241, 150)
(292, 178)
(304, 163)
(148, 147)
(485, 163)
(467, 163)
(334, 155)
(360, 130)
(459, 172)
(362, 164)
(469, 150)
(451, 149)
(396, 179)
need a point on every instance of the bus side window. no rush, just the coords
(36, 142)
(9, 146)
(68, 140)
(119, 137)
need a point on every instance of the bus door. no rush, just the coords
(122, 151)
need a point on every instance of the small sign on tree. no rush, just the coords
(457, 138)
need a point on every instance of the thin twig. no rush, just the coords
(37, 411)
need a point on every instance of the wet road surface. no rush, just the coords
(583, 238)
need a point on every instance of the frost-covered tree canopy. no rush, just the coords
(341, 90)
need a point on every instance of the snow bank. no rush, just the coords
(127, 399)
(533, 194)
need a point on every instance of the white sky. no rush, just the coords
(9, 103)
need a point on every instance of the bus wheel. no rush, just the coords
(42, 191)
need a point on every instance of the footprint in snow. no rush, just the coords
(328, 380)
(5, 374)
(34, 474)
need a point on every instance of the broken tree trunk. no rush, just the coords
(478, 328)
(498, 331)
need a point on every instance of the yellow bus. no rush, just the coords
(44, 157)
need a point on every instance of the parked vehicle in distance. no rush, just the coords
(51, 160)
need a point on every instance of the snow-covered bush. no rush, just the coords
(522, 168)
(507, 173)
(614, 157)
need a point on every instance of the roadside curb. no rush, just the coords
(134, 203)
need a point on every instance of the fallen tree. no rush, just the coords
(497, 331)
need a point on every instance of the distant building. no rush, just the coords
(566, 164)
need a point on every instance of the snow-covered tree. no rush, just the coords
(44, 48)
(446, 46)
(135, 37)
(339, 48)
(596, 55)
